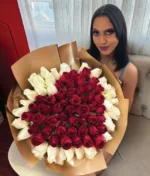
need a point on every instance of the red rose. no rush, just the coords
(59, 85)
(101, 128)
(60, 94)
(37, 139)
(89, 87)
(80, 81)
(99, 142)
(61, 131)
(92, 119)
(99, 99)
(62, 116)
(90, 96)
(73, 74)
(70, 110)
(86, 72)
(46, 131)
(33, 129)
(64, 77)
(75, 100)
(72, 131)
(101, 118)
(93, 81)
(87, 141)
(93, 131)
(81, 90)
(32, 107)
(39, 119)
(27, 116)
(51, 99)
(66, 142)
(40, 99)
(53, 120)
(70, 84)
(82, 120)
(93, 106)
(98, 89)
(100, 110)
(84, 99)
(63, 103)
(77, 142)
(44, 109)
(83, 110)
(54, 140)
(57, 107)
(82, 131)
(73, 121)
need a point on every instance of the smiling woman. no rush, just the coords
(108, 45)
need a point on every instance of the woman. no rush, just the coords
(109, 46)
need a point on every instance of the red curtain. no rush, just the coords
(13, 43)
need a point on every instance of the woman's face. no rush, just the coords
(104, 36)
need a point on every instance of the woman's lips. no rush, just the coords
(103, 48)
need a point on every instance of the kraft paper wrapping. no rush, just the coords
(51, 57)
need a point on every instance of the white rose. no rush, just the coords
(110, 93)
(107, 136)
(96, 72)
(52, 154)
(109, 124)
(108, 105)
(40, 150)
(44, 72)
(36, 80)
(79, 152)
(19, 124)
(55, 73)
(18, 111)
(49, 79)
(25, 102)
(41, 90)
(70, 155)
(64, 68)
(61, 157)
(114, 113)
(83, 65)
(90, 153)
(30, 94)
(114, 101)
(51, 90)
(23, 134)
(102, 80)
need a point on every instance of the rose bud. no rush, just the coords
(101, 128)
(77, 142)
(72, 131)
(37, 139)
(54, 140)
(61, 131)
(39, 119)
(73, 121)
(33, 129)
(44, 109)
(32, 107)
(100, 110)
(82, 131)
(93, 131)
(27, 116)
(99, 142)
(66, 142)
(46, 131)
(87, 141)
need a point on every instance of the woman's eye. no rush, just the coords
(96, 33)
(109, 32)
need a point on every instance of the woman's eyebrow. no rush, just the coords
(105, 29)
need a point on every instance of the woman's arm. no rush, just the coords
(130, 79)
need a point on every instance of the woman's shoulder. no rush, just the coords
(131, 72)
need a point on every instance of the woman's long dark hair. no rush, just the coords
(117, 19)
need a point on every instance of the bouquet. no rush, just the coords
(67, 113)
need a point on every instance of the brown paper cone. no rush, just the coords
(50, 57)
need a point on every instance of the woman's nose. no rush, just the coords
(102, 39)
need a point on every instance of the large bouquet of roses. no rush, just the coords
(69, 113)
